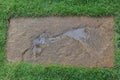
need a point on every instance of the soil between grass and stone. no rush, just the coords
(77, 41)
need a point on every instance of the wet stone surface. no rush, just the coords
(78, 41)
(77, 34)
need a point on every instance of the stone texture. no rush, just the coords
(78, 41)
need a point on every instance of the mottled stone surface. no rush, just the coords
(78, 41)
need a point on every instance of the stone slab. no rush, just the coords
(76, 41)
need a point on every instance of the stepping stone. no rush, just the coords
(71, 41)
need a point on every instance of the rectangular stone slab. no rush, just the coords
(77, 41)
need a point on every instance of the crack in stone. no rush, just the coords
(24, 52)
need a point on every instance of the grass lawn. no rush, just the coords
(38, 8)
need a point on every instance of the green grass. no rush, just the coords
(38, 8)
